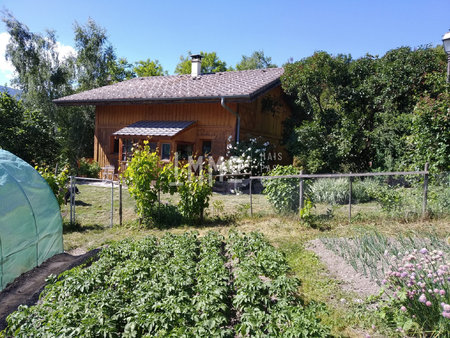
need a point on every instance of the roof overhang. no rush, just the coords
(194, 99)
(157, 129)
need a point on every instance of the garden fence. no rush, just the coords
(351, 176)
(104, 185)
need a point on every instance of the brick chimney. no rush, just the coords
(196, 61)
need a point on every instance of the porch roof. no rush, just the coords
(154, 128)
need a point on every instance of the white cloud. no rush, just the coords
(6, 67)
(65, 51)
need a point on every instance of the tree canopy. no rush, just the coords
(210, 64)
(255, 61)
(149, 68)
(353, 115)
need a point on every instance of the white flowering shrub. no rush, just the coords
(247, 157)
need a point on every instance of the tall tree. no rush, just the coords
(149, 68)
(40, 73)
(210, 64)
(255, 61)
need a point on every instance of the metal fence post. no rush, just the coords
(301, 199)
(72, 193)
(112, 202)
(350, 199)
(120, 202)
(425, 191)
(251, 200)
(70, 196)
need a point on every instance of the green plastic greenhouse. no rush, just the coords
(30, 220)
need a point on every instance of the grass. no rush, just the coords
(347, 318)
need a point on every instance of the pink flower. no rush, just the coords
(403, 309)
(446, 307)
(423, 251)
(446, 314)
(442, 292)
(428, 303)
(422, 298)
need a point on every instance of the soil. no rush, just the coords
(351, 280)
(25, 289)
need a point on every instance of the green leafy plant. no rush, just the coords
(147, 176)
(88, 168)
(57, 182)
(283, 193)
(195, 190)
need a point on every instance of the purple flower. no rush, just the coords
(422, 298)
(423, 251)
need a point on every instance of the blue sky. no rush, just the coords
(164, 30)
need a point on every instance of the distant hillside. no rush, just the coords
(10, 91)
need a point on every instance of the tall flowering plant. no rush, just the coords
(419, 282)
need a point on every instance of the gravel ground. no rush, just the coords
(351, 280)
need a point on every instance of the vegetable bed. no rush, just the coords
(174, 286)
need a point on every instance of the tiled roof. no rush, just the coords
(237, 85)
(154, 128)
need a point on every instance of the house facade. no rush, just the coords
(194, 114)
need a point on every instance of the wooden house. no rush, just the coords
(189, 114)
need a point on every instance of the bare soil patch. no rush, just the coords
(26, 288)
(352, 280)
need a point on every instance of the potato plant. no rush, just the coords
(179, 285)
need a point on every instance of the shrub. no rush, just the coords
(57, 182)
(195, 192)
(283, 193)
(249, 157)
(88, 168)
(146, 177)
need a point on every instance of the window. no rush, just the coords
(184, 150)
(206, 148)
(127, 145)
(165, 151)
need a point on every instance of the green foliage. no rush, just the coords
(43, 76)
(354, 115)
(195, 190)
(430, 135)
(56, 181)
(27, 134)
(335, 190)
(283, 193)
(147, 176)
(173, 286)
(149, 68)
(88, 168)
(265, 296)
(210, 64)
(255, 61)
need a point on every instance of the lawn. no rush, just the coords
(345, 316)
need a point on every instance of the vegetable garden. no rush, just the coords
(179, 285)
